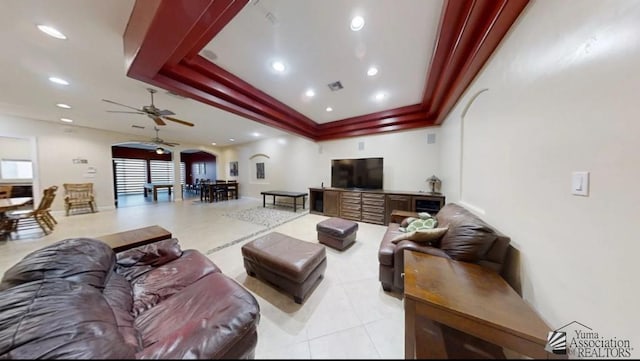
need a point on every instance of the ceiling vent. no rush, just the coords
(209, 55)
(336, 85)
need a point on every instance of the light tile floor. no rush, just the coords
(347, 316)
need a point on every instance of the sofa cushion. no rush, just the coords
(203, 321)
(55, 318)
(118, 294)
(468, 238)
(139, 260)
(82, 260)
(164, 281)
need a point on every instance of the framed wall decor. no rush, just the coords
(259, 170)
(233, 169)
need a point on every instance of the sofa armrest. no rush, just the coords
(398, 257)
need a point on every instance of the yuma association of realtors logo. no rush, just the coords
(583, 342)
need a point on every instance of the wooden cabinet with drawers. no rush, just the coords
(331, 203)
(371, 206)
(398, 202)
(373, 210)
(351, 205)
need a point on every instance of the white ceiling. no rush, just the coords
(312, 38)
(314, 41)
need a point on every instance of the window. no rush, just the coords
(161, 171)
(131, 175)
(16, 169)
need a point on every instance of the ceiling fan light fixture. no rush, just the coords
(159, 150)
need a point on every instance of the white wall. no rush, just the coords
(296, 163)
(563, 97)
(56, 146)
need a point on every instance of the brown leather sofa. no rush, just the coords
(77, 299)
(467, 239)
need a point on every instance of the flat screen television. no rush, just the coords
(363, 173)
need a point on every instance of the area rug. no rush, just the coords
(269, 218)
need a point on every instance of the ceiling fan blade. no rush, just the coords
(120, 111)
(166, 112)
(122, 105)
(179, 121)
(157, 119)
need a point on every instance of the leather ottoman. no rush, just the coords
(293, 265)
(337, 232)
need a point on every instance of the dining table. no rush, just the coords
(10, 204)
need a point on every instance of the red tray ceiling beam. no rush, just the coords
(164, 37)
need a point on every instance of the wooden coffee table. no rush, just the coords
(294, 195)
(122, 241)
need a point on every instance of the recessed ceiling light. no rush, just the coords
(329, 109)
(53, 79)
(372, 71)
(51, 31)
(62, 105)
(214, 143)
(278, 66)
(255, 134)
(357, 23)
(310, 93)
(380, 96)
(66, 120)
(232, 140)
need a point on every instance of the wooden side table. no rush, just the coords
(136, 237)
(449, 304)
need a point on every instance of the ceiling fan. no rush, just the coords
(157, 142)
(151, 111)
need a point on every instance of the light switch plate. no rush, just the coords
(580, 183)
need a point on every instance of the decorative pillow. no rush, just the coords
(410, 224)
(418, 224)
(430, 236)
(405, 222)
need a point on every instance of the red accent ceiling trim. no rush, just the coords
(253, 94)
(163, 39)
(181, 86)
(469, 33)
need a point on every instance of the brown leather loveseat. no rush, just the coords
(468, 239)
(77, 299)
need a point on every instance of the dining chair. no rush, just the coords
(79, 195)
(5, 191)
(232, 189)
(40, 216)
(220, 192)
